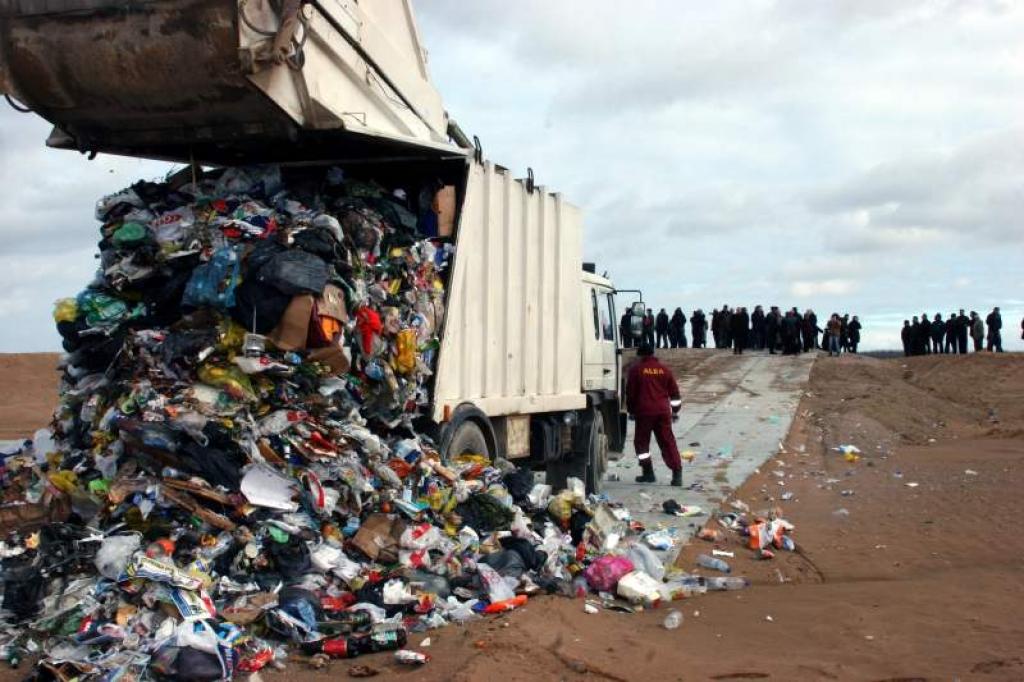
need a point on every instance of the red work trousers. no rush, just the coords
(661, 425)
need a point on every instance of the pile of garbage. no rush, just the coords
(239, 470)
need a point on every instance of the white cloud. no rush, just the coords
(823, 287)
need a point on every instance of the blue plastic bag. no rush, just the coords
(213, 283)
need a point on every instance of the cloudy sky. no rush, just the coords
(855, 155)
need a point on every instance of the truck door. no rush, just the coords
(599, 358)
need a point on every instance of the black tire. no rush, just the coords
(588, 466)
(597, 455)
(468, 438)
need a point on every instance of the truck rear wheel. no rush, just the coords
(468, 439)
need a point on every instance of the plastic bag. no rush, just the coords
(103, 310)
(65, 310)
(114, 554)
(213, 283)
(605, 572)
(643, 558)
(497, 589)
(422, 536)
(129, 235)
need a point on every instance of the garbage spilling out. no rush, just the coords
(237, 473)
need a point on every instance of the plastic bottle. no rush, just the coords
(683, 587)
(347, 621)
(673, 620)
(713, 563)
(351, 647)
(727, 583)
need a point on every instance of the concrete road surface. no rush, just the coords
(736, 411)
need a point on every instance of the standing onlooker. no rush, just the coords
(810, 330)
(699, 328)
(907, 336)
(726, 319)
(771, 329)
(938, 331)
(835, 332)
(757, 328)
(923, 333)
(626, 329)
(716, 327)
(962, 323)
(995, 326)
(740, 330)
(661, 329)
(677, 329)
(977, 331)
(950, 345)
(853, 330)
(790, 333)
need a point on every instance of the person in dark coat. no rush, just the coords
(757, 328)
(962, 327)
(810, 330)
(950, 345)
(699, 328)
(790, 333)
(716, 327)
(922, 334)
(772, 322)
(938, 331)
(677, 329)
(625, 329)
(661, 329)
(853, 329)
(726, 317)
(653, 401)
(648, 328)
(740, 330)
(907, 336)
(995, 327)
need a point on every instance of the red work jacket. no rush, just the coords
(651, 390)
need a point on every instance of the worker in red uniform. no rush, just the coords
(652, 399)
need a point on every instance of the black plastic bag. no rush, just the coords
(295, 272)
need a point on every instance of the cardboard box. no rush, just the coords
(291, 332)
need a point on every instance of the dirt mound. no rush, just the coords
(29, 382)
(876, 404)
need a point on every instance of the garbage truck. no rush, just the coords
(529, 364)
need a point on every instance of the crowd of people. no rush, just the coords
(923, 335)
(788, 332)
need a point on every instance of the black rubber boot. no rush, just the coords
(677, 478)
(648, 472)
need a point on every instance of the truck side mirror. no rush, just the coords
(637, 311)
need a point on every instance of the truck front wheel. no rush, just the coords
(597, 455)
(587, 465)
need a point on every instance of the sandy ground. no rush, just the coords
(909, 583)
(28, 392)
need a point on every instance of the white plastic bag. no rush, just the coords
(497, 589)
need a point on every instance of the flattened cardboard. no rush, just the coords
(291, 332)
(332, 303)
